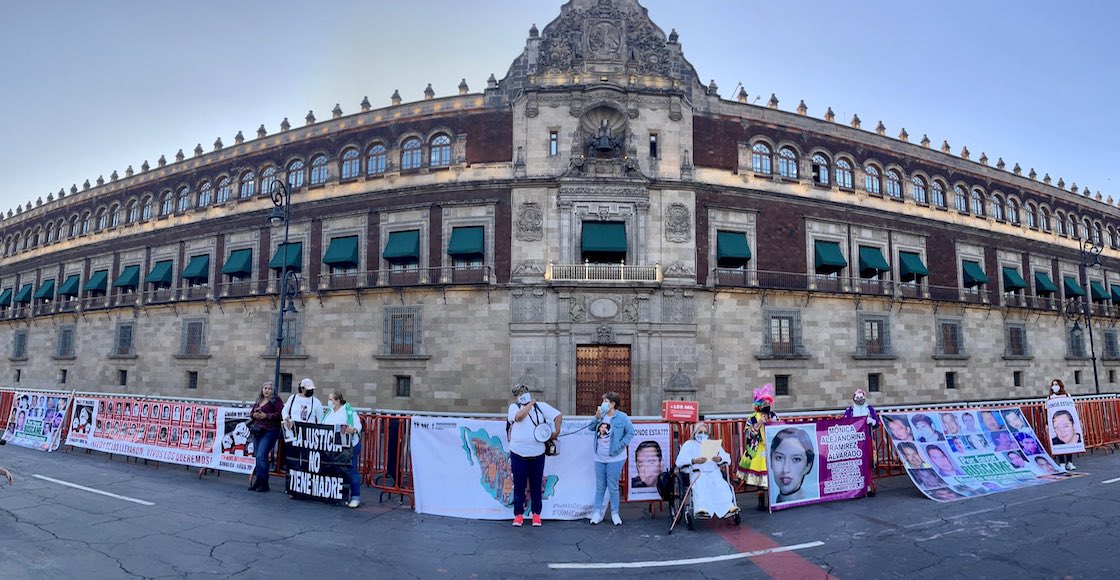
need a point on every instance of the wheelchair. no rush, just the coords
(682, 476)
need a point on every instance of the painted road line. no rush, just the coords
(686, 562)
(983, 511)
(1113, 480)
(91, 490)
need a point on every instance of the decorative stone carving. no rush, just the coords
(603, 33)
(603, 308)
(678, 308)
(680, 382)
(604, 334)
(678, 270)
(529, 379)
(530, 222)
(577, 311)
(528, 268)
(678, 223)
(528, 306)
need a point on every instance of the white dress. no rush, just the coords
(710, 493)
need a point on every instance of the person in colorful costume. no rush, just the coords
(752, 466)
(860, 408)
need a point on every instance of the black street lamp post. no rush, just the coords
(1076, 311)
(289, 280)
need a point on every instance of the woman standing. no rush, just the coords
(613, 434)
(343, 415)
(1058, 389)
(265, 427)
(752, 466)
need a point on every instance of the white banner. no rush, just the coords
(1066, 434)
(461, 468)
(650, 456)
(35, 420)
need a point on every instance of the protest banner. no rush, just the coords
(821, 461)
(650, 454)
(953, 455)
(461, 468)
(1064, 425)
(35, 419)
(318, 462)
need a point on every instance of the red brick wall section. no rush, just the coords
(489, 137)
(716, 142)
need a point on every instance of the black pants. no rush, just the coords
(1063, 459)
(527, 470)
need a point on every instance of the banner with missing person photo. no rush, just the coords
(317, 459)
(35, 419)
(817, 462)
(650, 455)
(1064, 424)
(953, 455)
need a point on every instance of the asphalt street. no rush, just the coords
(166, 522)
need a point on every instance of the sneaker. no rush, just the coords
(536, 520)
(355, 502)
(1070, 466)
(703, 514)
(518, 520)
(596, 517)
(617, 520)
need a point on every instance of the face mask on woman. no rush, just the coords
(605, 407)
(524, 398)
(1055, 388)
(701, 437)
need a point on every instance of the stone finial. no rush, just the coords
(773, 104)
(395, 98)
(50, 198)
(1032, 174)
(945, 147)
(533, 32)
(100, 180)
(802, 109)
(86, 185)
(491, 83)
(855, 121)
(309, 119)
(285, 125)
(429, 93)
(162, 161)
(673, 36)
(218, 145)
(9, 213)
(1098, 196)
(61, 193)
(19, 209)
(179, 156)
(113, 176)
(1017, 170)
(198, 149)
(239, 138)
(261, 132)
(830, 116)
(39, 201)
(463, 87)
(1046, 179)
(742, 96)
(144, 167)
(73, 189)
(925, 141)
(365, 104)
(1000, 164)
(1072, 187)
(965, 153)
(713, 88)
(1061, 183)
(904, 136)
(128, 172)
(1110, 200)
(983, 158)
(28, 208)
(336, 112)
(880, 128)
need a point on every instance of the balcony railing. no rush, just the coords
(588, 271)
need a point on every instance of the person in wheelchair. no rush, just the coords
(712, 495)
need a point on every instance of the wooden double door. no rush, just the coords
(601, 368)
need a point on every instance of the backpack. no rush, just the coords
(665, 485)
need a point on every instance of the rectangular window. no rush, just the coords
(62, 376)
(192, 380)
(553, 143)
(403, 333)
(950, 380)
(19, 345)
(293, 335)
(194, 337)
(1077, 377)
(781, 385)
(874, 336)
(1111, 376)
(285, 382)
(123, 344)
(874, 382)
(653, 145)
(1076, 343)
(1111, 345)
(65, 342)
(1017, 378)
(1016, 339)
(950, 340)
(122, 378)
(404, 385)
(783, 334)
(19, 374)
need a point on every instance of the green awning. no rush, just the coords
(46, 290)
(129, 278)
(343, 252)
(1099, 293)
(1072, 287)
(240, 263)
(732, 246)
(6, 297)
(910, 267)
(871, 262)
(974, 275)
(71, 287)
(1115, 295)
(24, 294)
(288, 256)
(160, 274)
(96, 283)
(1012, 280)
(829, 258)
(198, 269)
(403, 247)
(1043, 284)
(467, 242)
(604, 237)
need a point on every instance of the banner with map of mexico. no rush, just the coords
(35, 419)
(460, 468)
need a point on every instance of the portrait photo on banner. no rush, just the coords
(793, 464)
(1066, 434)
(649, 457)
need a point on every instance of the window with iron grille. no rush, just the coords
(122, 377)
(950, 338)
(1016, 341)
(781, 385)
(192, 380)
(293, 335)
(285, 382)
(1017, 378)
(403, 330)
(1077, 377)
(62, 374)
(194, 337)
(874, 382)
(1076, 343)
(1111, 345)
(19, 344)
(404, 385)
(874, 335)
(65, 341)
(950, 380)
(122, 346)
(782, 337)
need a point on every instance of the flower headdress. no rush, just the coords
(764, 396)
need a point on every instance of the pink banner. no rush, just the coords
(826, 460)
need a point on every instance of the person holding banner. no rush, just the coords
(1058, 389)
(613, 434)
(860, 408)
(303, 406)
(347, 423)
(712, 495)
(531, 423)
(752, 466)
(265, 427)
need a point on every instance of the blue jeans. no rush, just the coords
(606, 479)
(355, 479)
(262, 447)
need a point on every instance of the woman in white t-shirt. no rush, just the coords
(613, 431)
(342, 414)
(302, 406)
(526, 453)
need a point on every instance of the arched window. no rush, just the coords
(319, 170)
(268, 177)
(1110, 238)
(132, 212)
(73, 228)
(295, 174)
(844, 173)
(166, 204)
(440, 155)
(1098, 237)
(351, 164)
(225, 189)
(962, 199)
(894, 184)
(938, 193)
(872, 181)
(919, 186)
(977, 203)
(114, 216)
(410, 154)
(85, 223)
(183, 199)
(997, 208)
(1012, 211)
(1059, 224)
(1044, 219)
(205, 194)
(50, 233)
(820, 169)
(102, 220)
(248, 186)
(1032, 217)
(34, 238)
(787, 163)
(17, 242)
(60, 230)
(375, 162)
(762, 159)
(1072, 227)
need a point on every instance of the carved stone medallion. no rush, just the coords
(530, 222)
(678, 223)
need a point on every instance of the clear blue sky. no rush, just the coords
(90, 87)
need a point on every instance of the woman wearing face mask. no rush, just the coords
(712, 495)
(752, 466)
(342, 414)
(1058, 389)
(613, 434)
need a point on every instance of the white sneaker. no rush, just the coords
(596, 517)
(1070, 466)
(617, 520)
(353, 503)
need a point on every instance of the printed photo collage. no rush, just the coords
(163, 424)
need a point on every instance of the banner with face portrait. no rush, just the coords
(179, 432)
(1066, 434)
(953, 455)
(650, 455)
(461, 468)
(822, 461)
(35, 419)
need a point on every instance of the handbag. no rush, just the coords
(551, 448)
(257, 429)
